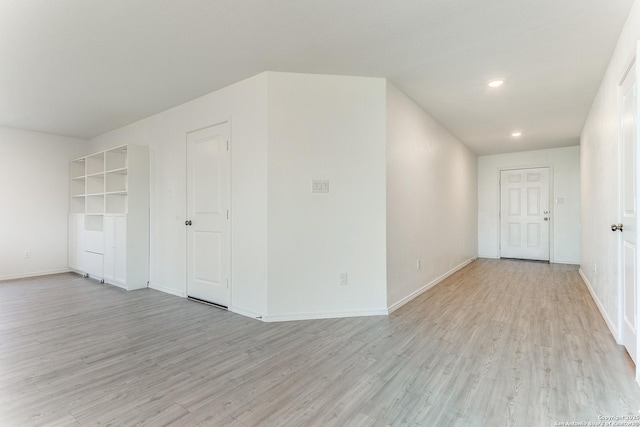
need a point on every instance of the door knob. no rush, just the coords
(616, 227)
(188, 222)
(546, 218)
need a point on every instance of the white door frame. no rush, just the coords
(551, 204)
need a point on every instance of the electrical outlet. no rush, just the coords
(344, 279)
(27, 253)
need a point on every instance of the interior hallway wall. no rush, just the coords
(432, 200)
(599, 175)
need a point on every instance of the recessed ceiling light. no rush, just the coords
(496, 83)
(516, 134)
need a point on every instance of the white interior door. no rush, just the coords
(628, 235)
(524, 214)
(208, 229)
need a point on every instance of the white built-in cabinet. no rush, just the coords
(109, 216)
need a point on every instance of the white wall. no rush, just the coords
(401, 188)
(330, 128)
(565, 224)
(599, 173)
(245, 105)
(431, 200)
(34, 213)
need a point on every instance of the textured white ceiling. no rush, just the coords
(84, 67)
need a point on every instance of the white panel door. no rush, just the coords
(524, 214)
(208, 229)
(628, 235)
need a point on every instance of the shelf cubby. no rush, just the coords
(115, 158)
(77, 187)
(116, 181)
(94, 222)
(95, 204)
(95, 163)
(116, 204)
(77, 205)
(77, 168)
(95, 184)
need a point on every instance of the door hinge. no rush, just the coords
(227, 213)
(227, 145)
(227, 283)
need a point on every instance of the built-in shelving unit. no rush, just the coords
(109, 216)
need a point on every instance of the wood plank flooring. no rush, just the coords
(500, 343)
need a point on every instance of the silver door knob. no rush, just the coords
(616, 227)
(546, 218)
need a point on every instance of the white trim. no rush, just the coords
(328, 315)
(603, 313)
(403, 301)
(245, 312)
(35, 274)
(167, 290)
(560, 261)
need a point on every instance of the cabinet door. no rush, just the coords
(115, 248)
(120, 236)
(109, 248)
(94, 264)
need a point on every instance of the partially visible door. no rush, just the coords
(524, 214)
(208, 200)
(628, 213)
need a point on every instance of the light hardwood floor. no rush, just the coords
(499, 343)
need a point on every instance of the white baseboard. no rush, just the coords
(429, 285)
(167, 290)
(244, 312)
(328, 315)
(561, 261)
(33, 274)
(603, 313)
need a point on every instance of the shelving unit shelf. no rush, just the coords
(109, 216)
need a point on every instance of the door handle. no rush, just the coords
(546, 218)
(617, 227)
(188, 222)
